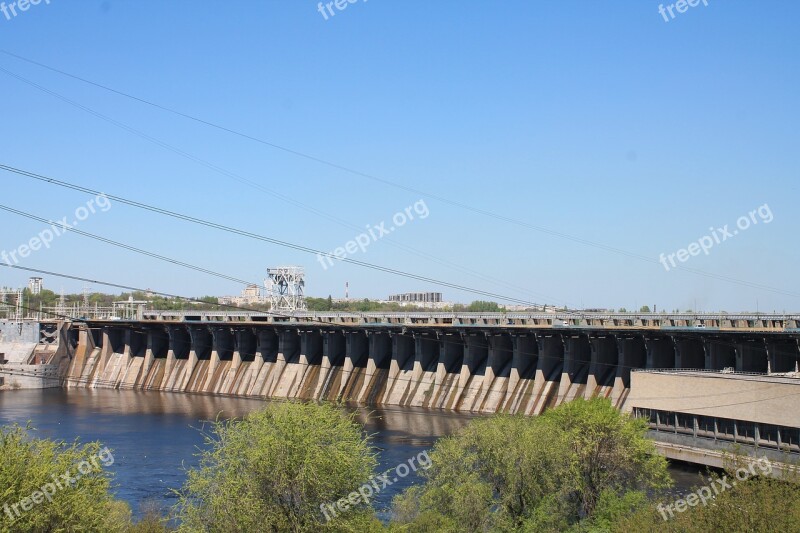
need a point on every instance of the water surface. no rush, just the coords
(154, 436)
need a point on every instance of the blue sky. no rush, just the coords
(594, 119)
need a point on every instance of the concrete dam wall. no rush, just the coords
(32, 355)
(481, 370)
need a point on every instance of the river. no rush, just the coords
(154, 436)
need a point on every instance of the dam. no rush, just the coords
(702, 381)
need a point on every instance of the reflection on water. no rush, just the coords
(154, 435)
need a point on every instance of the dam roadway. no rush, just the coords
(690, 375)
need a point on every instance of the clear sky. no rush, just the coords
(598, 120)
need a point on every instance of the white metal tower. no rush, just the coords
(286, 288)
(61, 309)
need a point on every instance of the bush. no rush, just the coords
(546, 473)
(37, 497)
(274, 470)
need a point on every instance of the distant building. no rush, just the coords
(417, 297)
(35, 285)
(250, 296)
(426, 300)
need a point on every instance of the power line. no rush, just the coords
(126, 246)
(262, 238)
(378, 179)
(442, 340)
(241, 179)
(137, 289)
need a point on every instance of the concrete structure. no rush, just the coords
(11, 304)
(35, 286)
(651, 322)
(14, 376)
(32, 355)
(129, 309)
(703, 381)
(286, 288)
(417, 297)
(469, 362)
(711, 410)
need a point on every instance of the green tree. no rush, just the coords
(35, 495)
(274, 470)
(644, 309)
(319, 304)
(546, 473)
(481, 306)
(760, 504)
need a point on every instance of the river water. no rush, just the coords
(154, 436)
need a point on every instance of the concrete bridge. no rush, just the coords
(477, 362)
(471, 362)
(750, 322)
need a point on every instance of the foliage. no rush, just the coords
(356, 306)
(27, 465)
(273, 470)
(478, 306)
(760, 504)
(546, 473)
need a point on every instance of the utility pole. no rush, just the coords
(85, 308)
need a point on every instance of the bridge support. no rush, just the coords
(266, 357)
(157, 342)
(632, 354)
(379, 359)
(550, 365)
(783, 355)
(689, 353)
(424, 377)
(473, 375)
(448, 368)
(602, 367)
(401, 368)
(574, 375)
(333, 350)
(751, 356)
(660, 352)
(524, 362)
(495, 384)
(719, 355)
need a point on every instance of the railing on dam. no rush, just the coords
(722, 322)
(566, 319)
(717, 432)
